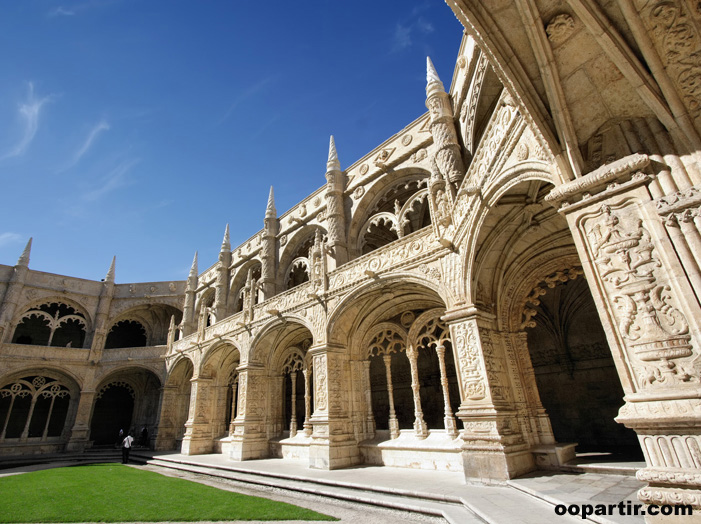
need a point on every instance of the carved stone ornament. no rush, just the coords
(358, 193)
(654, 330)
(364, 169)
(468, 356)
(406, 139)
(419, 155)
(559, 28)
(599, 178)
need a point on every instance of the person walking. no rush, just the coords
(126, 447)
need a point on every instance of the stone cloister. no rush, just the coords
(515, 271)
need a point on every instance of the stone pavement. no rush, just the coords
(369, 494)
(529, 500)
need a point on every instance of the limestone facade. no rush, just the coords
(505, 275)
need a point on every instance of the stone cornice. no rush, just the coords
(616, 171)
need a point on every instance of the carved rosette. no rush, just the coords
(654, 330)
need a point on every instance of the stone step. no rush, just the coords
(467, 505)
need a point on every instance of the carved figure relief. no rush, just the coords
(654, 329)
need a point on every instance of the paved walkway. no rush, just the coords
(398, 495)
(529, 500)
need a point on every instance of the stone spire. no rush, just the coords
(335, 185)
(193, 268)
(226, 244)
(446, 150)
(110, 272)
(24, 257)
(332, 164)
(433, 82)
(270, 211)
(222, 282)
(268, 253)
(189, 323)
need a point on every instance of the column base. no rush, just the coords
(333, 455)
(495, 467)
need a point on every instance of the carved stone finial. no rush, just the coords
(110, 272)
(270, 211)
(433, 82)
(24, 257)
(226, 244)
(332, 164)
(193, 269)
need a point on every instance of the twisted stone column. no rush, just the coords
(393, 422)
(450, 425)
(420, 426)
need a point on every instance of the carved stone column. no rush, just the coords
(393, 422)
(78, 440)
(198, 434)
(307, 404)
(250, 440)
(651, 314)
(293, 403)
(420, 426)
(234, 389)
(450, 425)
(494, 449)
(333, 443)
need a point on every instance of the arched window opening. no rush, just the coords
(114, 407)
(126, 334)
(256, 293)
(378, 233)
(298, 273)
(402, 210)
(51, 324)
(33, 407)
(297, 391)
(299, 270)
(403, 364)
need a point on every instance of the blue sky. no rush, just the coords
(139, 128)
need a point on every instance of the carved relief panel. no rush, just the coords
(658, 343)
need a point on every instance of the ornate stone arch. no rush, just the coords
(354, 295)
(475, 222)
(428, 330)
(238, 282)
(294, 251)
(384, 338)
(280, 328)
(379, 190)
(54, 322)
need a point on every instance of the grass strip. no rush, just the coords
(117, 493)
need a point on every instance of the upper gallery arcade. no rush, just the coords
(431, 304)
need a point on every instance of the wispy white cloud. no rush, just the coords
(246, 94)
(9, 238)
(77, 8)
(116, 178)
(29, 112)
(92, 135)
(405, 32)
(61, 11)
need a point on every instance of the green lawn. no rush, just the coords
(117, 493)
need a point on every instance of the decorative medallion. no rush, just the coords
(406, 139)
(359, 192)
(559, 28)
(407, 319)
(364, 169)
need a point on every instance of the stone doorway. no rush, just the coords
(574, 370)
